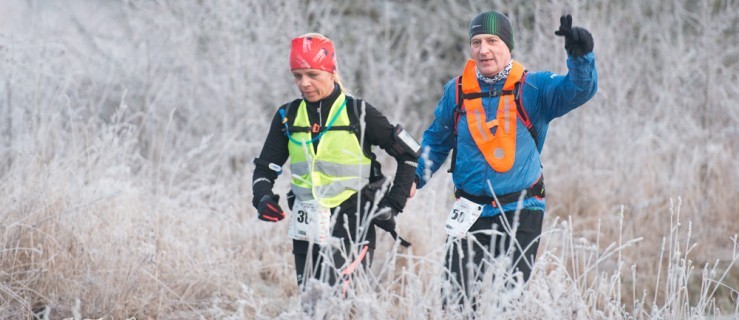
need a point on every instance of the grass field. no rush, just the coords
(127, 129)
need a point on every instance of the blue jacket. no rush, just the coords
(545, 96)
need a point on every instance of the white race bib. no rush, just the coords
(463, 215)
(310, 221)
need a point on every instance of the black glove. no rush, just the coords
(578, 41)
(269, 209)
(385, 218)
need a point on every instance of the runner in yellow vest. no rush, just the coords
(337, 191)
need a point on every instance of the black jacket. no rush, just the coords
(377, 132)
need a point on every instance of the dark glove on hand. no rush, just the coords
(578, 41)
(269, 209)
(388, 224)
(385, 218)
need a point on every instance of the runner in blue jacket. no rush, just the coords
(497, 116)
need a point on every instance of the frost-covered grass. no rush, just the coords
(127, 128)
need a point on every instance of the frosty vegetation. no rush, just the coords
(127, 129)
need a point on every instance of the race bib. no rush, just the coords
(463, 215)
(310, 222)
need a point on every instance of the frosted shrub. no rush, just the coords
(127, 129)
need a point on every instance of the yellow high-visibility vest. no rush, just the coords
(337, 169)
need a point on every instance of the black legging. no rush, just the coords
(310, 259)
(312, 266)
(527, 235)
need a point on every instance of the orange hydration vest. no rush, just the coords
(496, 139)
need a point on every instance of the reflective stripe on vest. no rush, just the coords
(496, 139)
(334, 172)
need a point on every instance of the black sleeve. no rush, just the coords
(274, 151)
(380, 132)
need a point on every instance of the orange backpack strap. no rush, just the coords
(458, 112)
(521, 110)
(459, 98)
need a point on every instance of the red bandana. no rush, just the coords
(312, 53)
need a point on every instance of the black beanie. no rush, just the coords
(493, 22)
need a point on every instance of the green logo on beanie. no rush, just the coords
(493, 22)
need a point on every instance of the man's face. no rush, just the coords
(490, 53)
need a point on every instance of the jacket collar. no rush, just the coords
(327, 101)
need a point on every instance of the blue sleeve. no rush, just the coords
(562, 94)
(438, 139)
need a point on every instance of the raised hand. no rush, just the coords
(578, 41)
